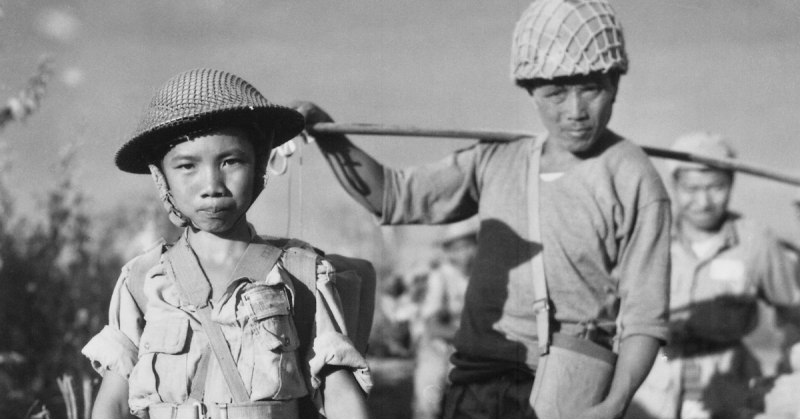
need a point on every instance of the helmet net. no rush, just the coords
(556, 38)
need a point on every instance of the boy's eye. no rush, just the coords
(184, 166)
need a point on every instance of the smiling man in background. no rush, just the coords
(722, 264)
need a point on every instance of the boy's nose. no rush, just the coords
(213, 184)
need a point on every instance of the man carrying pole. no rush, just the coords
(573, 250)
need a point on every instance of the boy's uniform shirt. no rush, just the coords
(715, 289)
(605, 232)
(159, 353)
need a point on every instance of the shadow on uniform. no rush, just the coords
(485, 306)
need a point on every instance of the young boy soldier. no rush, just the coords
(209, 327)
(722, 265)
(604, 215)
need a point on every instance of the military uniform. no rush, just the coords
(714, 294)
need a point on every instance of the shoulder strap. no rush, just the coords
(541, 305)
(302, 265)
(138, 273)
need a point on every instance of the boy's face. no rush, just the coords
(211, 178)
(575, 110)
(701, 197)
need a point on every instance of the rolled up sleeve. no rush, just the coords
(331, 345)
(115, 348)
(645, 274)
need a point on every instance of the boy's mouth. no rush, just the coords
(215, 210)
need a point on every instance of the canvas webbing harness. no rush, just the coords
(541, 306)
(181, 265)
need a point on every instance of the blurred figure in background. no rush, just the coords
(440, 314)
(398, 314)
(722, 264)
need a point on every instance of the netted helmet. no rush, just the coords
(557, 38)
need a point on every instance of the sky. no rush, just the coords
(728, 66)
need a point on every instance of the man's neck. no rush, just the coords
(694, 234)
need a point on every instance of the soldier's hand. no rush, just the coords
(312, 113)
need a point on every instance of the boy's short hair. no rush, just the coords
(200, 101)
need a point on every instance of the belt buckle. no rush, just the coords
(200, 410)
(541, 305)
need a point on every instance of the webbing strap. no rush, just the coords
(542, 304)
(302, 264)
(199, 379)
(184, 269)
(188, 275)
(257, 261)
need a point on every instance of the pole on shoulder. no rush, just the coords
(507, 135)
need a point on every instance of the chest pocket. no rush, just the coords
(163, 355)
(730, 275)
(270, 316)
(164, 336)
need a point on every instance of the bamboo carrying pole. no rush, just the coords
(502, 135)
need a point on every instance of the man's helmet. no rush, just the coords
(703, 143)
(557, 38)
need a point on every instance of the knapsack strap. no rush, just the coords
(541, 305)
(301, 263)
(200, 374)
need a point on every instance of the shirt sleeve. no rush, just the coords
(115, 348)
(644, 273)
(441, 192)
(779, 278)
(331, 345)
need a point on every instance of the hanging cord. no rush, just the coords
(278, 165)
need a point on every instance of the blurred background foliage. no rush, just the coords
(57, 271)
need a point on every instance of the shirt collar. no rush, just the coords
(727, 232)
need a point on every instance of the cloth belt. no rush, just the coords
(249, 410)
(598, 334)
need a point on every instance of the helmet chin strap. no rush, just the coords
(175, 216)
